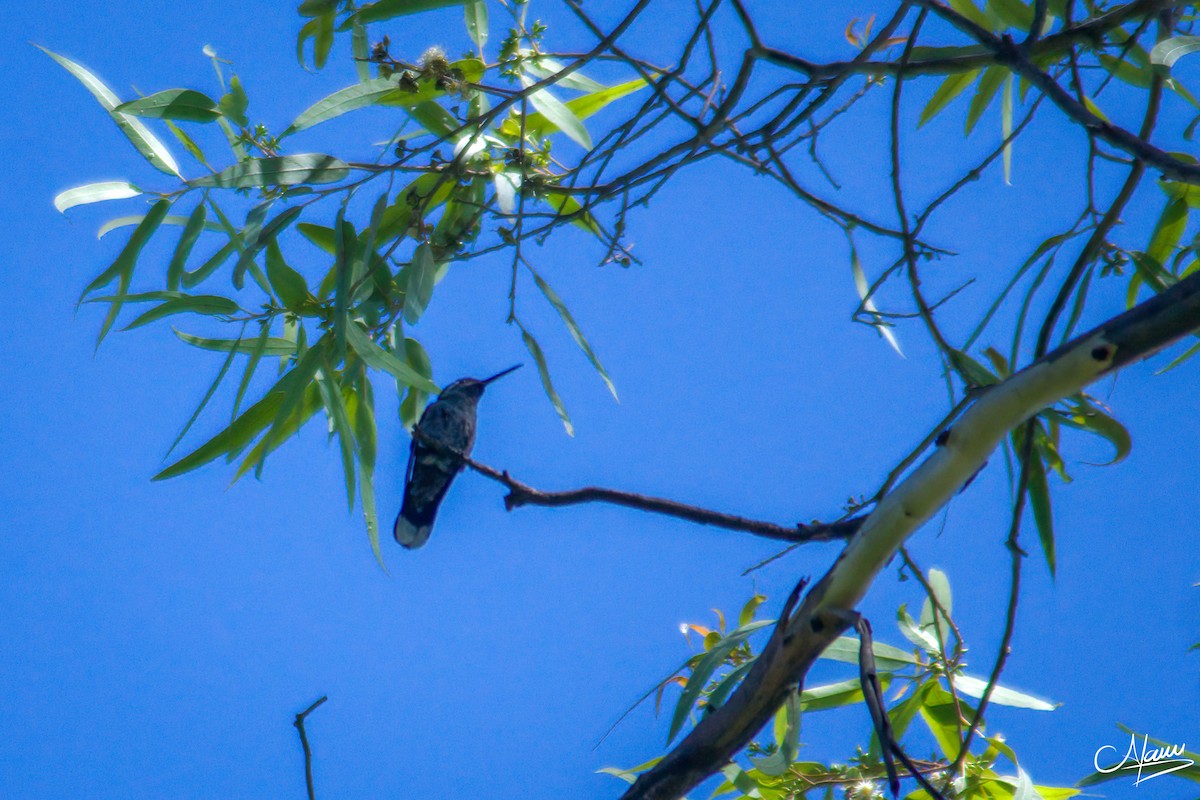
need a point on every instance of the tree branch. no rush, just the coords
(522, 494)
(828, 608)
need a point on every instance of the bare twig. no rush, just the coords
(299, 723)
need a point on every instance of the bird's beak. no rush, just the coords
(486, 381)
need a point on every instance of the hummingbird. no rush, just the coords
(450, 420)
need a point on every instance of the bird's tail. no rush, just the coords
(413, 525)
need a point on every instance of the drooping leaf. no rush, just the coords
(289, 285)
(122, 268)
(421, 274)
(207, 395)
(1168, 230)
(187, 240)
(278, 171)
(705, 669)
(573, 327)
(146, 142)
(951, 87)
(181, 104)
(985, 92)
(1043, 517)
(539, 358)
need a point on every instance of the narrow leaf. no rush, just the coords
(278, 171)
(535, 350)
(146, 142)
(95, 193)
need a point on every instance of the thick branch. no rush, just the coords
(828, 607)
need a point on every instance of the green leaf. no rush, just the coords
(835, 695)
(134, 219)
(234, 104)
(187, 240)
(95, 193)
(573, 327)
(122, 268)
(207, 395)
(974, 687)
(1006, 125)
(1123, 70)
(421, 275)
(535, 350)
(289, 285)
(887, 657)
(362, 417)
(146, 142)
(201, 273)
(538, 125)
(1013, 13)
(863, 287)
(1168, 231)
(278, 171)
(414, 399)
(985, 92)
(972, 12)
(188, 142)
(544, 67)
(565, 205)
(272, 346)
(949, 89)
(1039, 501)
(434, 118)
(941, 716)
(1168, 51)
(705, 669)
(360, 95)
(298, 415)
(477, 22)
(343, 265)
(557, 114)
(182, 104)
(256, 354)
(387, 9)
(335, 405)
(361, 49)
(208, 304)
(234, 438)
(1086, 416)
(378, 358)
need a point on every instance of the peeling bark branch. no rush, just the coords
(828, 608)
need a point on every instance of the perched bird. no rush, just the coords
(449, 420)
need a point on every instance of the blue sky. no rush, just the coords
(157, 638)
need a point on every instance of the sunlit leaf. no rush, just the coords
(539, 358)
(95, 193)
(146, 142)
(278, 171)
(557, 114)
(1168, 51)
(1001, 695)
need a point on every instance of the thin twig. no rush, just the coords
(299, 723)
